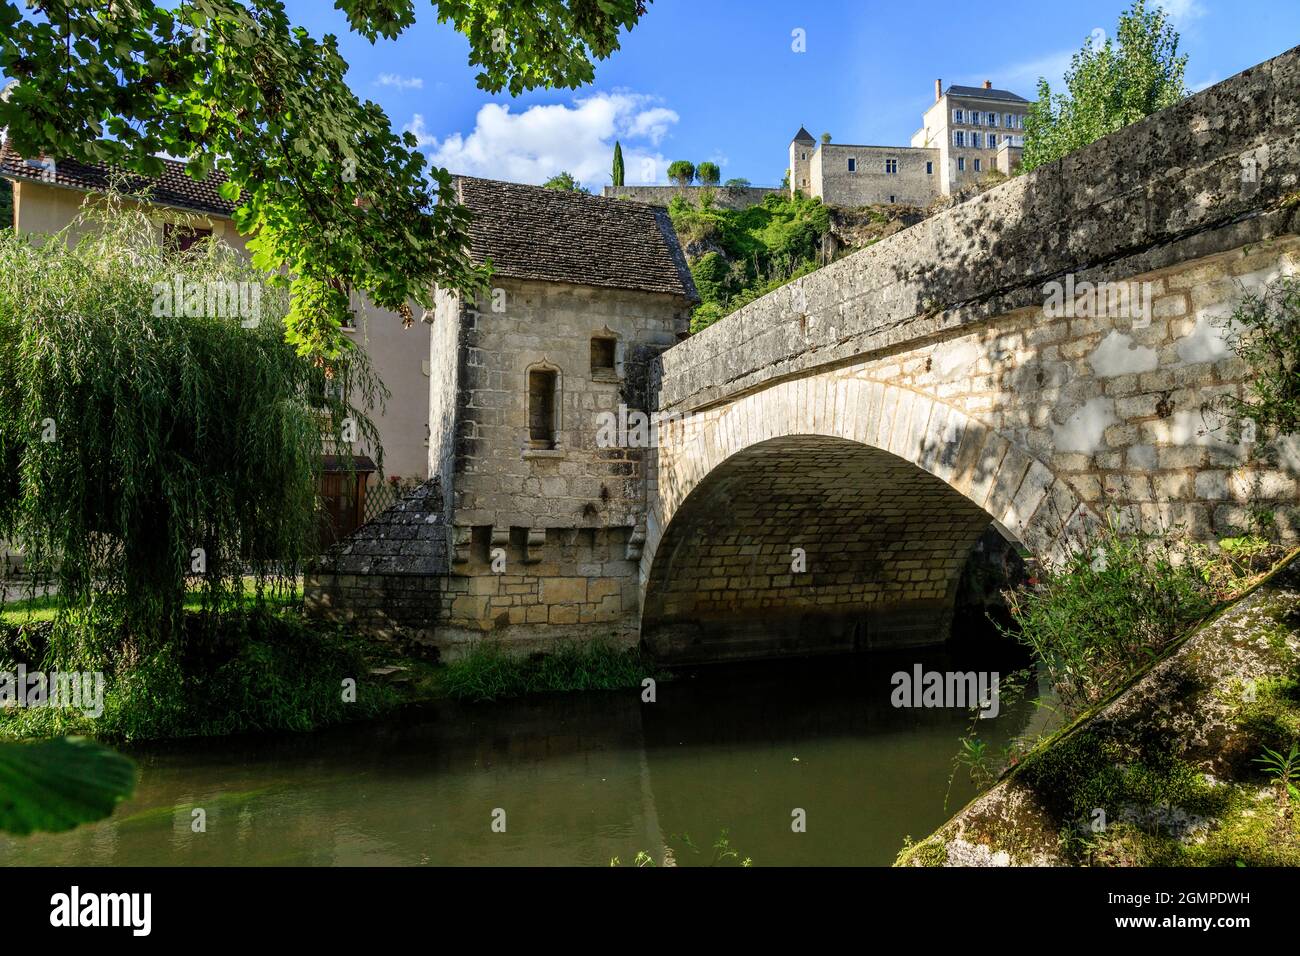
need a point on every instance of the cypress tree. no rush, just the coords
(618, 164)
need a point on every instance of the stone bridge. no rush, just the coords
(1043, 355)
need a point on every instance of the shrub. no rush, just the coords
(764, 246)
(565, 183)
(260, 671)
(710, 273)
(1264, 332)
(1111, 608)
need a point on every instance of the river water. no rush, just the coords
(573, 779)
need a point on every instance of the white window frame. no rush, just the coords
(958, 116)
(961, 164)
(959, 138)
(977, 164)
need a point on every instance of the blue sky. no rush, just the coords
(719, 80)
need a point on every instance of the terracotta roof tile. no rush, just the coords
(174, 188)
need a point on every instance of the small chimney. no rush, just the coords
(938, 90)
(988, 84)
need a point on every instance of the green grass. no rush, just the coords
(45, 607)
(488, 673)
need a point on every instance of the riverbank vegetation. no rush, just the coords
(263, 670)
(488, 673)
(172, 508)
(1195, 767)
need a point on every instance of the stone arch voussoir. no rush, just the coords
(1010, 484)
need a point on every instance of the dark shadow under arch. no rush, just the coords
(883, 545)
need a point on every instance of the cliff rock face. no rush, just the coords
(1166, 772)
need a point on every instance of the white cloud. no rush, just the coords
(1182, 12)
(534, 145)
(401, 82)
(423, 137)
(652, 124)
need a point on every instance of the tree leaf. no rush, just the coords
(55, 785)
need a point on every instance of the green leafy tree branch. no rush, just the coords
(333, 199)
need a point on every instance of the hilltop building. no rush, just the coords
(966, 132)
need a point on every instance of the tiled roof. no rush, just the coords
(172, 188)
(410, 537)
(529, 232)
(978, 92)
(803, 136)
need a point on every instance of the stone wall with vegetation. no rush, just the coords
(1166, 772)
(724, 197)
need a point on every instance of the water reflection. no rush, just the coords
(580, 778)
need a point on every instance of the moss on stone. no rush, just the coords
(1272, 719)
(932, 851)
(1256, 828)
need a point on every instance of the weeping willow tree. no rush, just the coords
(157, 434)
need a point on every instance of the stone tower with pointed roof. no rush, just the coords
(802, 148)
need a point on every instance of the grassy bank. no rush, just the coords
(264, 670)
(487, 673)
(268, 669)
(1190, 761)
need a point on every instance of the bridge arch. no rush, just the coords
(879, 491)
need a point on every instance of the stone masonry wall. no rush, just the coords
(809, 544)
(1043, 424)
(724, 197)
(869, 184)
(534, 543)
(499, 482)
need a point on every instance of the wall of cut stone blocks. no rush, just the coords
(498, 481)
(826, 542)
(723, 197)
(539, 538)
(869, 183)
(578, 584)
(1045, 424)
